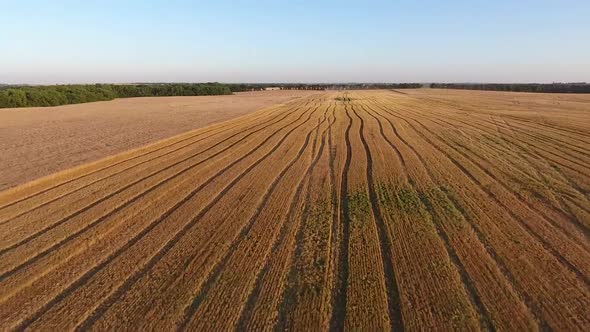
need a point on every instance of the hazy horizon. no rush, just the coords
(60, 42)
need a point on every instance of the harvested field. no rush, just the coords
(377, 210)
(40, 141)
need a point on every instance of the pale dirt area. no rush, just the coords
(39, 141)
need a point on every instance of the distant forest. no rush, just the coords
(54, 95)
(529, 87)
(239, 87)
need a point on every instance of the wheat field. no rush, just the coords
(358, 210)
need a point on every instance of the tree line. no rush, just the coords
(54, 95)
(517, 87)
(239, 87)
(527, 87)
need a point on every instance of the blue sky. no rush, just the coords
(294, 41)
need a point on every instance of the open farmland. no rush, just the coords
(410, 209)
(39, 141)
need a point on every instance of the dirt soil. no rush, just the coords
(39, 141)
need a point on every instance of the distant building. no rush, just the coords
(270, 88)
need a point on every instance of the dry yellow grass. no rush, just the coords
(365, 210)
(39, 141)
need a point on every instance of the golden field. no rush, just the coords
(358, 210)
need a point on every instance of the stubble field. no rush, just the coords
(411, 209)
(39, 141)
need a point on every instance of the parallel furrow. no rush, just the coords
(216, 271)
(541, 238)
(95, 222)
(550, 250)
(114, 296)
(89, 274)
(580, 227)
(164, 145)
(480, 237)
(395, 314)
(132, 167)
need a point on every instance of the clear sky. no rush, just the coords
(294, 41)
